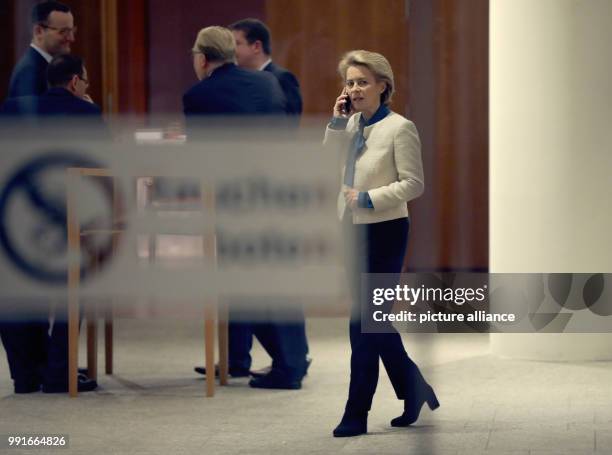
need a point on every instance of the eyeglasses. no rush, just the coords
(62, 31)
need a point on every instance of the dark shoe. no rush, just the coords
(27, 387)
(352, 424)
(266, 370)
(233, 372)
(412, 409)
(275, 380)
(84, 385)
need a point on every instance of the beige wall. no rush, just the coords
(550, 154)
(551, 143)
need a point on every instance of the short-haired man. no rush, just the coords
(253, 51)
(53, 32)
(34, 357)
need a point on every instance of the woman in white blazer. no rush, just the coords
(382, 170)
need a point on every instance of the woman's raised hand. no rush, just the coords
(340, 103)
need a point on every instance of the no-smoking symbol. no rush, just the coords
(33, 230)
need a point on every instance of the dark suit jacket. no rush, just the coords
(29, 76)
(233, 99)
(290, 86)
(57, 111)
(56, 101)
(231, 90)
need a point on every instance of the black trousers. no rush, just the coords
(279, 328)
(34, 356)
(376, 248)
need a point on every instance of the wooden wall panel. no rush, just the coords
(110, 58)
(7, 44)
(449, 86)
(133, 65)
(461, 38)
(424, 244)
(309, 37)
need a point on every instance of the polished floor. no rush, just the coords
(155, 404)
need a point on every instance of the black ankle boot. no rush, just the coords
(352, 424)
(412, 408)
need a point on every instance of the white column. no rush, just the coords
(551, 153)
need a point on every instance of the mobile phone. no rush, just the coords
(347, 105)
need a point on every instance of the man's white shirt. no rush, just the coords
(44, 54)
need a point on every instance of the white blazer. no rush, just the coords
(389, 168)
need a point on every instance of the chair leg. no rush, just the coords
(91, 313)
(108, 341)
(73, 342)
(74, 277)
(92, 344)
(223, 344)
(108, 313)
(209, 347)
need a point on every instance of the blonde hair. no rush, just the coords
(216, 43)
(376, 63)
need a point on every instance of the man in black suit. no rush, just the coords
(227, 90)
(253, 50)
(34, 357)
(53, 31)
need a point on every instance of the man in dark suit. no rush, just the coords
(253, 50)
(34, 357)
(227, 90)
(53, 31)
